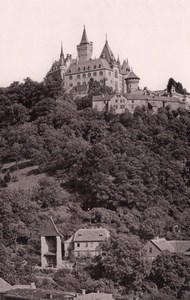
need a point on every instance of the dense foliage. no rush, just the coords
(128, 173)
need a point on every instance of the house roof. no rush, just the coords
(141, 95)
(163, 245)
(107, 53)
(4, 286)
(88, 66)
(81, 88)
(50, 229)
(102, 98)
(91, 235)
(181, 246)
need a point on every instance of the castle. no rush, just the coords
(76, 73)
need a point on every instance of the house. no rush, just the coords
(156, 246)
(55, 249)
(104, 69)
(37, 294)
(86, 242)
(95, 296)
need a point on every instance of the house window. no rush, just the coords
(78, 76)
(150, 250)
(122, 106)
(101, 73)
(116, 100)
(84, 75)
(86, 244)
(89, 74)
(94, 74)
(78, 245)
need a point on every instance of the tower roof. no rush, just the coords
(107, 53)
(132, 75)
(61, 49)
(84, 39)
(50, 229)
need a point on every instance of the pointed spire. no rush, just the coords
(107, 53)
(84, 39)
(118, 60)
(62, 49)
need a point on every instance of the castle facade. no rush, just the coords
(76, 73)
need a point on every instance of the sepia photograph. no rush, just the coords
(95, 149)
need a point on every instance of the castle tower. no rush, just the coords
(132, 82)
(85, 48)
(107, 53)
(51, 246)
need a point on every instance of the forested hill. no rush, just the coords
(128, 173)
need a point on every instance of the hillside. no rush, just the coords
(128, 173)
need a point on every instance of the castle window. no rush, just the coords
(100, 65)
(78, 245)
(78, 76)
(88, 67)
(116, 74)
(84, 68)
(91, 244)
(122, 106)
(86, 244)
(116, 100)
(132, 101)
(89, 74)
(109, 73)
(78, 69)
(70, 77)
(101, 73)
(69, 71)
(84, 75)
(94, 74)
(78, 83)
(71, 84)
(94, 66)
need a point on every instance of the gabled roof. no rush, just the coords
(91, 235)
(50, 229)
(4, 286)
(181, 246)
(84, 39)
(132, 75)
(141, 95)
(102, 98)
(163, 245)
(107, 53)
(88, 66)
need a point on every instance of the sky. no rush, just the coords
(153, 34)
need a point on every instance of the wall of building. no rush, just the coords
(151, 251)
(86, 248)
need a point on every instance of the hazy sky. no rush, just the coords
(153, 34)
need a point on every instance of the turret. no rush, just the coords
(61, 56)
(132, 82)
(85, 48)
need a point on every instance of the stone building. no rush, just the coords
(76, 73)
